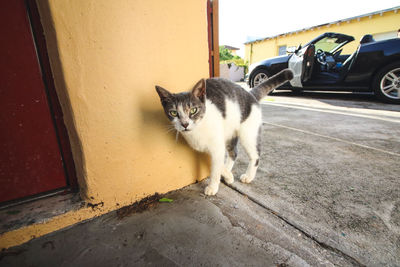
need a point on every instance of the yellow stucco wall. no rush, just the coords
(106, 57)
(388, 21)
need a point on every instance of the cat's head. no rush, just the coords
(184, 110)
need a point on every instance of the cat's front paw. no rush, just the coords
(228, 176)
(211, 190)
(246, 179)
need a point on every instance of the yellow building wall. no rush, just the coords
(388, 21)
(106, 57)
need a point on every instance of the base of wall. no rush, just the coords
(27, 221)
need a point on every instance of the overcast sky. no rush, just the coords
(242, 20)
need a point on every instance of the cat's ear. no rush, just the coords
(163, 93)
(199, 90)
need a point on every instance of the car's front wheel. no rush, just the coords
(387, 83)
(259, 77)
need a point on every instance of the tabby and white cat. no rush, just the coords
(214, 115)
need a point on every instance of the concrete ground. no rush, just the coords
(331, 168)
(327, 193)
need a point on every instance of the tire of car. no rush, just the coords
(386, 83)
(258, 77)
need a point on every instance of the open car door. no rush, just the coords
(302, 64)
(308, 63)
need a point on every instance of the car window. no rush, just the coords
(329, 44)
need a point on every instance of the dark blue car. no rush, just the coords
(319, 65)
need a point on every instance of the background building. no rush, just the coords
(382, 24)
(231, 49)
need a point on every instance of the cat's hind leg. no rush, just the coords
(250, 140)
(231, 148)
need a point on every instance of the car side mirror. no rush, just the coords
(298, 48)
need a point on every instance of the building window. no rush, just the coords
(282, 50)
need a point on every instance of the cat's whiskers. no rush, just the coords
(169, 128)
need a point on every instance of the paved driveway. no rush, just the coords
(331, 168)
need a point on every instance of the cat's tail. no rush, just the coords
(264, 88)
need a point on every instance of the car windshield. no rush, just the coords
(329, 44)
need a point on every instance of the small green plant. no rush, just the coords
(225, 54)
(238, 62)
(226, 57)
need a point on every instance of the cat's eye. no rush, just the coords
(173, 113)
(193, 111)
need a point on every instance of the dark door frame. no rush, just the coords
(213, 41)
(54, 104)
(56, 114)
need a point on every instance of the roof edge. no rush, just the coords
(329, 23)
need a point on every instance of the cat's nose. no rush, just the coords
(185, 124)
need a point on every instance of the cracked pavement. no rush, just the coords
(327, 193)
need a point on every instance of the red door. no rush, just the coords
(30, 157)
